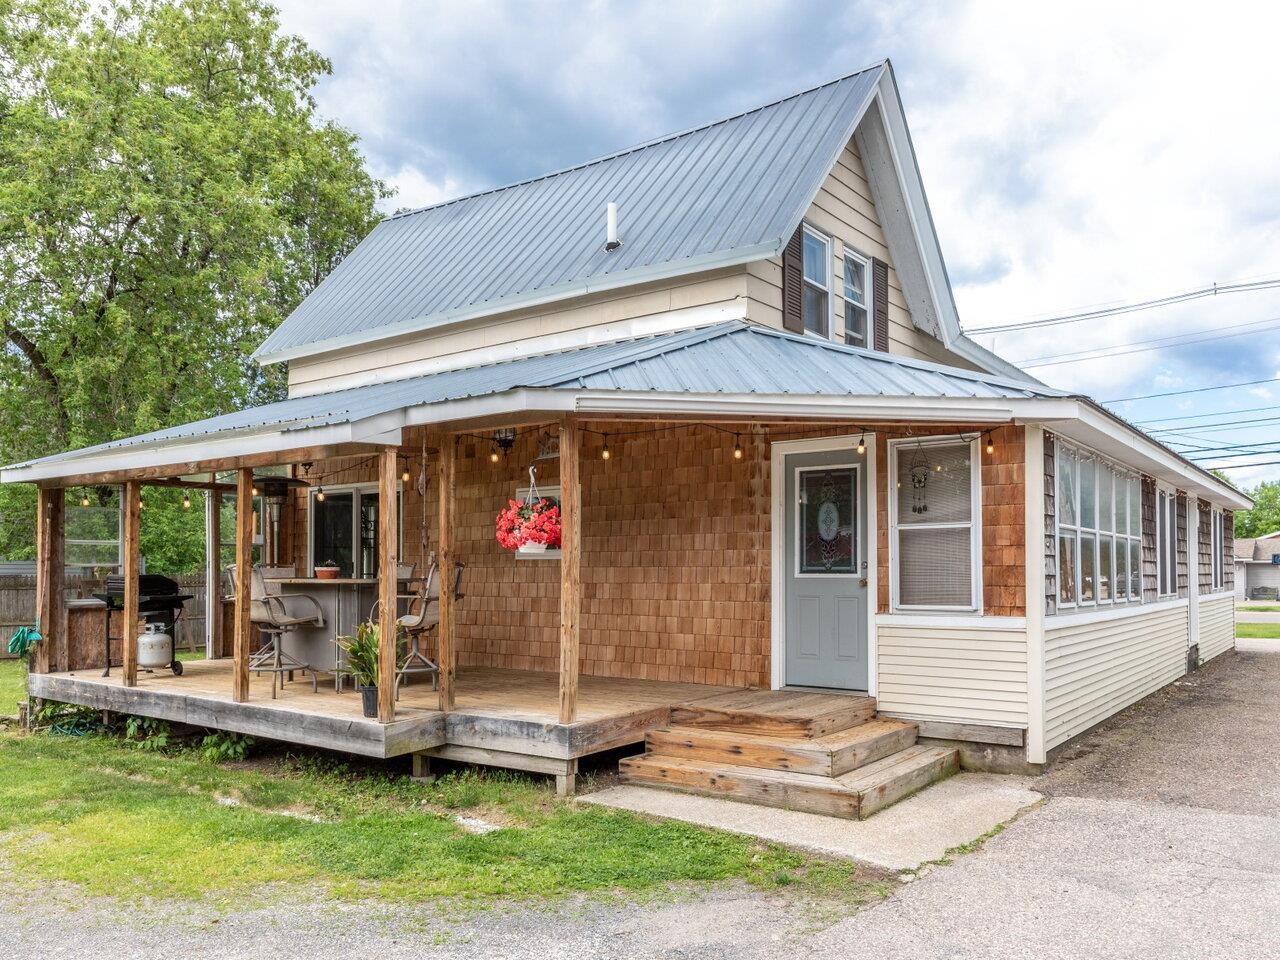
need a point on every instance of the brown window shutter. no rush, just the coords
(793, 284)
(880, 305)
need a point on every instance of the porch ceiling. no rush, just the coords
(686, 372)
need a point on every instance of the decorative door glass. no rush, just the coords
(828, 527)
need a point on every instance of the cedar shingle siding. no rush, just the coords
(1204, 547)
(1050, 525)
(1183, 568)
(1150, 575)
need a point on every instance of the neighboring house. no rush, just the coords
(780, 462)
(1257, 561)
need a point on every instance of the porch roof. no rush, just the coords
(734, 358)
(729, 369)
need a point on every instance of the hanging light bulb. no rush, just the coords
(141, 504)
(862, 444)
(493, 454)
(320, 494)
(604, 451)
(254, 490)
(404, 476)
(737, 448)
(84, 499)
(186, 501)
(991, 444)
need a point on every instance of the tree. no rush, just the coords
(1265, 515)
(168, 195)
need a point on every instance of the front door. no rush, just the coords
(826, 570)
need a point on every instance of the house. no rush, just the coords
(1257, 563)
(818, 547)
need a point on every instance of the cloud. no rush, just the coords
(1074, 155)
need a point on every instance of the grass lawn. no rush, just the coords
(1260, 607)
(1258, 631)
(13, 685)
(117, 820)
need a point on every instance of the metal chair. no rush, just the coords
(275, 614)
(423, 616)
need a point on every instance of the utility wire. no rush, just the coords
(1211, 291)
(1179, 393)
(1142, 346)
(1234, 466)
(1215, 413)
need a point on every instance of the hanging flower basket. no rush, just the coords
(529, 527)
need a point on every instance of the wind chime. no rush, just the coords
(919, 474)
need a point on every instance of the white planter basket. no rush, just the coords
(532, 548)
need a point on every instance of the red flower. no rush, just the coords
(528, 523)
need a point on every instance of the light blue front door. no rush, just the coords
(826, 568)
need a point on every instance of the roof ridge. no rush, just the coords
(663, 138)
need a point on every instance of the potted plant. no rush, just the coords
(362, 663)
(529, 527)
(327, 570)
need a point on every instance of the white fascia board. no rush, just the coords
(565, 291)
(201, 448)
(668, 321)
(1094, 427)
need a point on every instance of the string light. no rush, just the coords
(991, 444)
(404, 477)
(493, 455)
(254, 490)
(186, 501)
(84, 499)
(862, 443)
(737, 448)
(604, 451)
(320, 494)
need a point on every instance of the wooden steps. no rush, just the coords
(854, 795)
(820, 753)
(828, 756)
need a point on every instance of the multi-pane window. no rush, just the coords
(933, 524)
(1166, 543)
(857, 299)
(815, 308)
(1099, 530)
(1217, 537)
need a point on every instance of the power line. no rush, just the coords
(1242, 453)
(1179, 393)
(1215, 413)
(1244, 447)
(1234, 466)
(1211, 291)
(1214, 427)
(1159, 343)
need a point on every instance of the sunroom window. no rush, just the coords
(1099, 540)
(816, 305)
(934, 529)
(1167, 543)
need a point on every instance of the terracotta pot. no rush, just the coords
(327, 573)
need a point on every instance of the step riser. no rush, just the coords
(783, 755)
(745, 788)
(860, 710)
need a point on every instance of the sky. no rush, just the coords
(1074, 156)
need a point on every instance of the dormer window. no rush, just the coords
(816, 304)
(857, 301)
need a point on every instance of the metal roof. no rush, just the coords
(727, 192)
(733, 358)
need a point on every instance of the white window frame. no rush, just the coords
(867, 296)
(1115, 471)
(828, 261)
(360, 489)
(974, 524)
(1167, 547)
(1217, 537)
(857, 513)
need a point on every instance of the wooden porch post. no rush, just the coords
(130, 515)
(213, 570)
(388, 525)
(444, 562)
(50, 574)
(570, 563)
(244, 584)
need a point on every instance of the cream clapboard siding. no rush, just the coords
(398, 357)
(1094, 669)
(964, 674)
(1217, 624)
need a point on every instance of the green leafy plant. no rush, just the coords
(222, 746)
(148, 733)
(362, 654)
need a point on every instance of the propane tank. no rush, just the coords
(154, 646)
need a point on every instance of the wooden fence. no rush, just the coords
(18, 605)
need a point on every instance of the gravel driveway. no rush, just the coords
(1159, 839)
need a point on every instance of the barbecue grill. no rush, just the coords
(158, 602)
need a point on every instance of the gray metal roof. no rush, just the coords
(726, 192)
(734, 357)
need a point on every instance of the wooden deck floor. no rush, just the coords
(512, 711)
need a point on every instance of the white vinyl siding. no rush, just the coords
(1099, 663)
(966, 674)
(1217, 625)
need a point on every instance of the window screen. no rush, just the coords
(934, 524)
(1099, 529)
